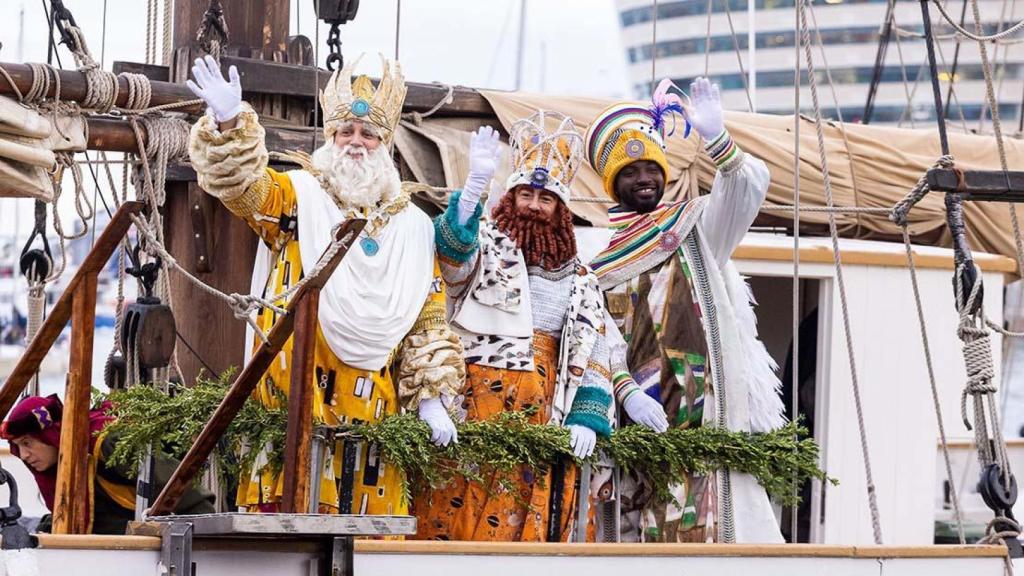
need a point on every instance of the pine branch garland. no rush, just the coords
(504, 444)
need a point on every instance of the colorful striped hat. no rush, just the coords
(622, 134)
(630, 131)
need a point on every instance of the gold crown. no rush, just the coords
(544, 158)
(345, 99)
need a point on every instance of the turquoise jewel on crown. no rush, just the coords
(370, 246)
(360, 107)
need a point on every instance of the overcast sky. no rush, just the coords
(570, 47)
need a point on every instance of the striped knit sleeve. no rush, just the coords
(590, 406)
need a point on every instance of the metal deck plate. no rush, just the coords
(240, 524)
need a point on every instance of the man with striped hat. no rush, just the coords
(690, 332)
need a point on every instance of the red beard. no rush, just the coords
(545, 242)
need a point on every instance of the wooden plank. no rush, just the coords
(299, 438)
(71, 503)
(680, 550)
(823, 254)
(97, 542)
(979, 185)
(246, 382)
(28, 364)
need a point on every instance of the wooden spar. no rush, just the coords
(299, 439)
(73, 87)
(246, 382)
(258, 77)
(115, 135)
(61, 312)
(984, 185)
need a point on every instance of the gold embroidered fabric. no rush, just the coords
(430, 364)
(229, 163)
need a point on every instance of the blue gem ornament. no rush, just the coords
(539, 178)
(370, 246)
(360, 107)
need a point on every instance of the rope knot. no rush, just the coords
(902, 208)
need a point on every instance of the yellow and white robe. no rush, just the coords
(424, 357)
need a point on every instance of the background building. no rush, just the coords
(850, 31)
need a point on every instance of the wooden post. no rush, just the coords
(72, 502)
(246, 382)
(297, 475)
(255, 27)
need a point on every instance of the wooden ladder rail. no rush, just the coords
(77, 303)
(300, 318)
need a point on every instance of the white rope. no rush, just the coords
(954, 495)
(794, 526)
(977, 37)
(417, 117)
(167, 47)
(827, 182)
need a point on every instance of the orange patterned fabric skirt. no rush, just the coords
(517, 509)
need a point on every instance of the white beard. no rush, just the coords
(357, 182)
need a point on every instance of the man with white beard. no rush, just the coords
(382, 313)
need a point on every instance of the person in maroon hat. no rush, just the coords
(33, 431)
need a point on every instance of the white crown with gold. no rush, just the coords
(543, 159)
(345, 99)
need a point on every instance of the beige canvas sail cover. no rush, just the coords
(884, 162)
(28, 142)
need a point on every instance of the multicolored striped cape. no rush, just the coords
(642, 241)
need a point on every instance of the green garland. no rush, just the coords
(503, 444)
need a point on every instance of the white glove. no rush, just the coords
(705, 109)
(583, 440)
(223, 98)
(442, 429)
(484, 154)
(646, 411)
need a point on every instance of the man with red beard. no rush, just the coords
(531, 319)
(382, 341)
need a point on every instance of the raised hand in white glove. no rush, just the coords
(705, 109)
(442, 429)
(646, 411)
(582, 439)
(484, 154)
(223, 98)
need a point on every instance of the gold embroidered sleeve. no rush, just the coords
(231, 165)
(431, 357)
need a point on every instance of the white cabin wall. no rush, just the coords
(899, 416)
(898, 411)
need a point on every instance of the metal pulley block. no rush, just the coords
(115, 372)
(149, 330)
(35, 265)
(13, 536)
(335, 13)
(1000, 494)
